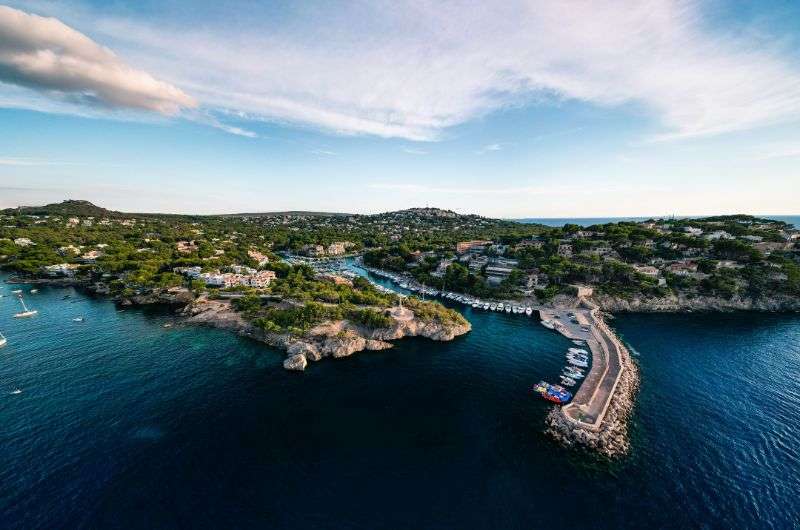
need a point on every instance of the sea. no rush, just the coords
(589, 221)
(130, 419)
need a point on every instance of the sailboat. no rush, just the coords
(3, 340)
(27, 312)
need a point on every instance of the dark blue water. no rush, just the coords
(123, 423)
(589, 221)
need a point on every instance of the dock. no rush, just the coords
(597, 415)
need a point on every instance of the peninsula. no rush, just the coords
(280, 278)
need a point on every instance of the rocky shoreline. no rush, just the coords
(334, 339)
(684, 304)
(611, 438)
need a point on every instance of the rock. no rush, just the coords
(310, 351)
(375, 345)
(295, 362)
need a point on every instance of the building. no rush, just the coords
(336, 248)
(477, 263)
(23, 242)
(495, 274)
(530, 243)
(91, 256)
(565, 250)
(258, 257)
(62, 269)
(682, 268)
(313, 250)
(691, 230)
(186, 247)
(466, 246)
(718, 234)
(647, 270)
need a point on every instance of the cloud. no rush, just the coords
(24, 161)
(322, 152)
(489, 148)
(46, 55)
(419, 68)
(413, 151)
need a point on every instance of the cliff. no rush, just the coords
(684, 303)
(335, 339)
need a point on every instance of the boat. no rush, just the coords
(574, 373)
(567, 381)
(16, 391)
(34, 291)
(548, 324)
(579, 342)
(3, 340)
(500, 306)
(578, 350)
(528, 311)
(577, 362)
(554, 393)
(27, 312)
(77, 319)
(486, 306)
(17, 291)
(493, 307)
(475, 305)
(508, 309)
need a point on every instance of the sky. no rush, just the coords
(506, 109)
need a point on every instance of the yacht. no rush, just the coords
(34, 291)
(567, 381)
(493, 307)
(27, 312)
(3, 340)
(528, 311)
(17, 291)
(508, 309)
(77, 319)
(548, 324)
(486, 306)
(500, 306)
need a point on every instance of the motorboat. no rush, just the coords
(485, 306)
(554, 393)
(548, 324)
(567, 381)
(77, 319)
(17, 291)
(3, 340)
(578, 350)
(528, 311)
(579, 342)
(34, 291)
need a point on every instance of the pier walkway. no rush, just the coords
(591, 402)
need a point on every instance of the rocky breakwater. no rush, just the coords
(336, 339)
(598, 417)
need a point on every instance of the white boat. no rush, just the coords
(474, 305)
(567, 381)
(579, 343)
(17, 291)
(548, 324)
(573, 372)
(27, 312)
(500, 306)
(34, 291)
(16, 391)
(77, 319)
(3, 340)
(528, 311)
(508, 309)
(578, 350)
(486, 306)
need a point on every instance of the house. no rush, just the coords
(62, 269)
(336, 248)
(691, 230)
(313, 250)
(718, 234)
(647, 270)
(69, 249)
(186, 247)
(530, 243)
(465, 246)
(682, 268)
(91, 256)
(258, 257)
(260, 279)
(565, 250)
(191, 272)
(23, 242)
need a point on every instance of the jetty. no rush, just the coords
(597, 416)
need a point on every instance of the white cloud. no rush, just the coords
(46, 55)
(489, 148)
(414, 151)
(418, 68)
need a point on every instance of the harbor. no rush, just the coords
(596, 416)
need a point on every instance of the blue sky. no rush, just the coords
(522, 109)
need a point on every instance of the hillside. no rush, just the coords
(68, 207)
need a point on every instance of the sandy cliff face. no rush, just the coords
(330, 339)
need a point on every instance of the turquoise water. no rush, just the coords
(123, 423)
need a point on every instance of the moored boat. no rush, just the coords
(554, 393)
(3, 340)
